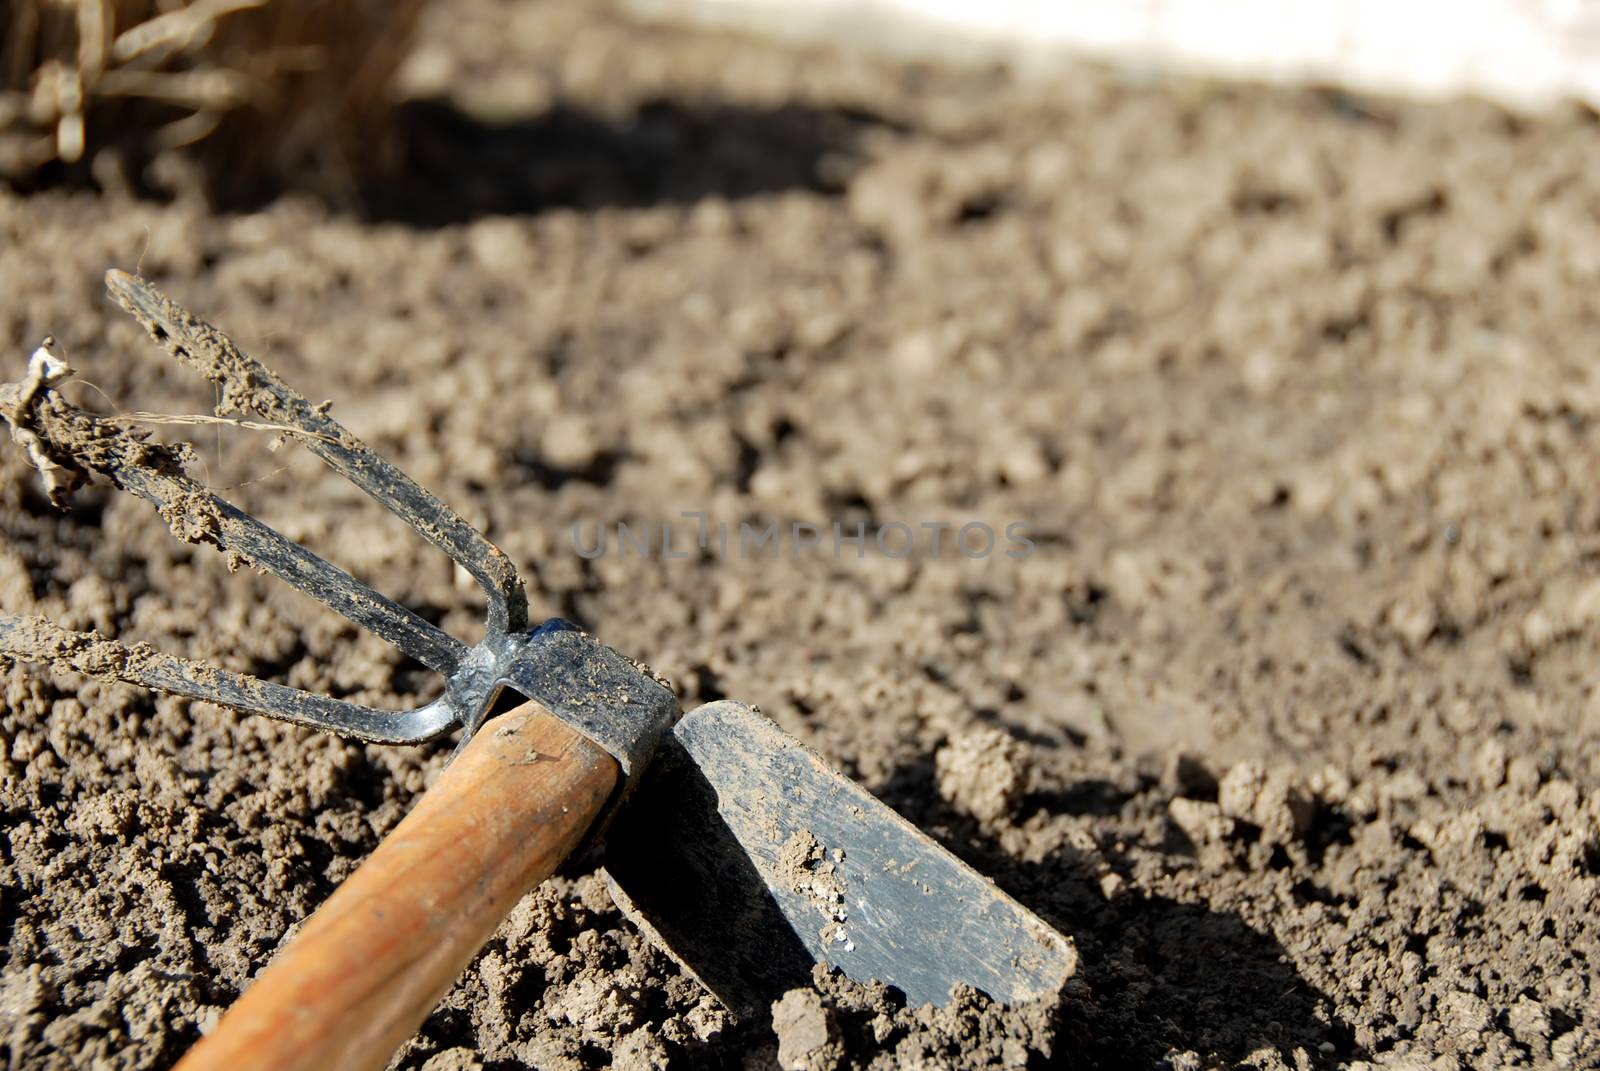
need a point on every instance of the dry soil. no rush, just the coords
(1290, 718)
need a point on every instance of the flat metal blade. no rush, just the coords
(749, 859)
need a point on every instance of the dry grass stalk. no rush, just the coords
(274, 88)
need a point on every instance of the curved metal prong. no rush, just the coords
(196, 515)
(37, 640)
(236, 532)
(248, 385)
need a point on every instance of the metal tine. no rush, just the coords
(258, 544)
(248, 385)
(37, 639)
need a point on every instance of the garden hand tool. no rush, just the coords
(736, 848)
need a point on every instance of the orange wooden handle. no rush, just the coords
(372, 962)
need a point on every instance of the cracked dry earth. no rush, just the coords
(1290, 719)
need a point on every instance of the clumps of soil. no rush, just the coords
(65, 443)
(566, 977)
(812, 871)
(1256, 811)
(807, 1031)
(46, 368)
(983, 772)
(1275, 801)
(836, 1024)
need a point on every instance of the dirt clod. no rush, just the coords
(812, 870)
(876, 1030)
(982, 772)
(808, 1038)
(1274, 800)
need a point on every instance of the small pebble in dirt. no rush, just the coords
(982, 772)
(808, 1038)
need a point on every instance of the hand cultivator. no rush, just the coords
(727, 841)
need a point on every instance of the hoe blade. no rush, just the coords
(749, 859)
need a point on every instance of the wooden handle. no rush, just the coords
(372, 962)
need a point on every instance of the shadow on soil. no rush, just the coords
(459, 168)
(1157, 977)
(456, 167)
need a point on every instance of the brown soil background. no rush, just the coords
(1296, 392)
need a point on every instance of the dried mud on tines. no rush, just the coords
(1290, 719)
